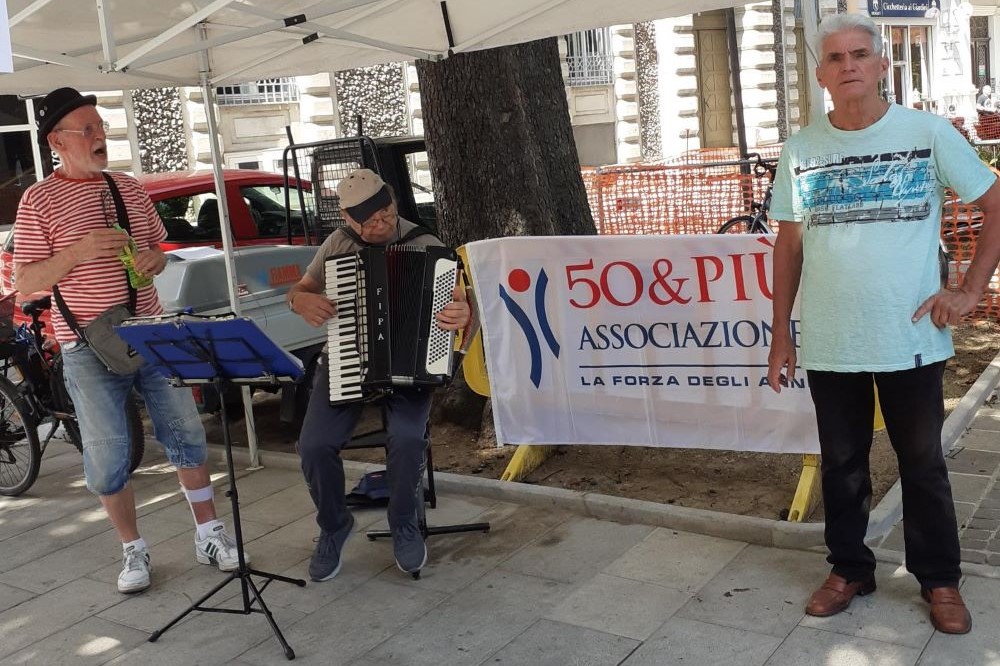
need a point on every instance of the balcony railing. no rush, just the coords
(265, 91)
(589, 57)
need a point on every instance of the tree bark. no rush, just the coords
(503, 158)
(500, 145)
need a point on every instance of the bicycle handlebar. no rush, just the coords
(762, 166)
(37, 306)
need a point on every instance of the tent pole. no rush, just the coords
(107, 34)
(735, 70)
(208, 93)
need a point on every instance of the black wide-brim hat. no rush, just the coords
(56, 105)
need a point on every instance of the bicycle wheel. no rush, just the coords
(136, 435)
(738, 225)
(20, 453)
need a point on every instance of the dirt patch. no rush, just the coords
(754, 484)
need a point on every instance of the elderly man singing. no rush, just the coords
(858, 196)
(69, 237)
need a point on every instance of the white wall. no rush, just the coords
(953, 59)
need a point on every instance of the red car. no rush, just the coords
(187, 203)
(188, 206)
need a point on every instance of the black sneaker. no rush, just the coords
(409, 548)
(325, 562)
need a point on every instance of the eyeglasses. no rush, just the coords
(387, 214)
(89, 131)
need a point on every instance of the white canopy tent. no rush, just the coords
(123, 44)
(126, 44)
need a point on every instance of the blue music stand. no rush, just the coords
(188, 350)
(223, 351)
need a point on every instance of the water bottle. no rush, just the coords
(127, 255)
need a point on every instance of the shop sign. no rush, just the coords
(901, 8)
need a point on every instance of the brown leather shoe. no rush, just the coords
(948, 612)
(835, 595)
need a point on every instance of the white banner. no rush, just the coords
(642, 340)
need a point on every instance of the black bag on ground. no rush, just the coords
(371, 491)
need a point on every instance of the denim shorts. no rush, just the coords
(100, 397)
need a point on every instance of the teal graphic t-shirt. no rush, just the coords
(870, 204)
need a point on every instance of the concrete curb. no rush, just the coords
(761, 531)
(968, 568)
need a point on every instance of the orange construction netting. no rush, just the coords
(694, 194)
(987, 127)
(960, 225)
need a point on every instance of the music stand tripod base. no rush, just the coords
(431, 531)
(425, 496)
(237, 352)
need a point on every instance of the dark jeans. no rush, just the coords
(913, 406)
(327, 429)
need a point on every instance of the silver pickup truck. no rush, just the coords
(194, 280)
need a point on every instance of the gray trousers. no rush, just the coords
(326, 429)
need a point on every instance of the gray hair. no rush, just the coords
(834, 23)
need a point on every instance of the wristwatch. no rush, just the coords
(291, 302)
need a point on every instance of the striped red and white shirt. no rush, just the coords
(58, 211)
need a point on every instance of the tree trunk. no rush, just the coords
(500, 145)
(502, 156)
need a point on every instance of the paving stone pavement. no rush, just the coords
(543, 587)
(974, 469)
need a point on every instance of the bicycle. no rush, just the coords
(756, 222)
(38, 398)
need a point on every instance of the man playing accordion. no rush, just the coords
(368, 207)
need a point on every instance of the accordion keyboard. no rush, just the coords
(345, 287)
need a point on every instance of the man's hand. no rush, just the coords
(947, 307)
(456, 314)
(150, 262)
(99, 244)
(782, 357)
(314, 308)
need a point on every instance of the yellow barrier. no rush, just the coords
(474, 367)
(474, 364)
(807, 492)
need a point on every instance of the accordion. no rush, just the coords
(384, 333)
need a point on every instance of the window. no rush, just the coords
(17, 172)
(191, 218)
(20, 160)
(589, 57)
(423, 193)
(909, 64)
(265, 91)
(267, 208)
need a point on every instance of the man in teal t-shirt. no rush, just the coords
(858, 198)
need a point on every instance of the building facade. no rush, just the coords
(636, 92)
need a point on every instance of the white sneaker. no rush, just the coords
(135, 571)
(219, 548)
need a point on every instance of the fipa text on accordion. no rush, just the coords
(384, 333)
